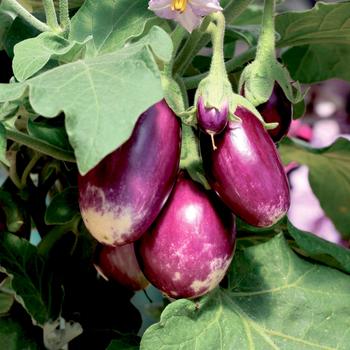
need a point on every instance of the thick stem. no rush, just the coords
(40, 146)
(217, 33)
(266, 45)
(27, 16)
(29, 168)
(231, 65)
(51, 17)
(64, 16)
(187, 53)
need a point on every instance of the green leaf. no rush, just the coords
(313, 63)
(329, 176)
(63, 207)
(3, 145)
(13, 209)
(32, 54)
(13, 336)
(123, 345)
(35, 286)
(110, 23)
(324, 23)
(276, 301)
(50, 132)
(101, 97)
(320, 249)
(6, 296)
(312, 36)
(5, 24)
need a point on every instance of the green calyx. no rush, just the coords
(258, 78)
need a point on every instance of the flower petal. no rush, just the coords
(162, 8)
(205, 7)
(189, 19)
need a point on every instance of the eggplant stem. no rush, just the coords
(213, 141)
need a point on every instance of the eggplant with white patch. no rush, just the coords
(188, 249)
(246, 172)
(124, 193)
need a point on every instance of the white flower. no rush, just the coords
(188, 13)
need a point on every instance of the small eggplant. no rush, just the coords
(212, 120)
(188, 249)
(278, 109)
(124, 193)
(120, 264)
(246, 172)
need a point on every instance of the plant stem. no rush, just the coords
(39, 145)
(27, 16)
(231, 65)
(29, 168)
(51, 17)
(266, 45)
(188, 51)
(64, 16)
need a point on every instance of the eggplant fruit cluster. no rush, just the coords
(156, 224)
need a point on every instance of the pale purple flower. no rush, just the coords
(188, 13)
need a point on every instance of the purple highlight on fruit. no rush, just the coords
(246, 171)
(120, 264)
(189, 248)
(124, 193)
(278, 109)
(211, 120)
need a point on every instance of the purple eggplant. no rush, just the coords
(212, 120)
(124, 193)
(188, 249)
(246, 172)
(120, 264)
(277, 109)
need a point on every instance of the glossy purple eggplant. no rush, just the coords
(277, 109)
(212, 120)
(246, 172)
(120, 264)
(188, 249)
(124, 193)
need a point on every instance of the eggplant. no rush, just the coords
(212, 120)
(278, 109)
(124, 193)
(120, 264)
(188, 249)
(246, 171)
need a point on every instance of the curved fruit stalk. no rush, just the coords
(124, 193)
(211, 120)
(278, 109)
(246, 171)
(120, 264)
(188, 249)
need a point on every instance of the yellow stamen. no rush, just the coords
(178, 5)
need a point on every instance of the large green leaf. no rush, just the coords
(101, 97)
(324, 23)
(32, 280)
(6, 296)
(32, 54)
(329, 176)
(312, 36)
(276, 301)
(122, 345)
(5, 24)
(110, 23)
(13, 336)
(319, 249)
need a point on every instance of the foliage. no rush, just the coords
(74, 97)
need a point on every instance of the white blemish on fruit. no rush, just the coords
(218, 269)
(177, 276)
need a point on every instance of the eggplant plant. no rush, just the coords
(145, 166)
